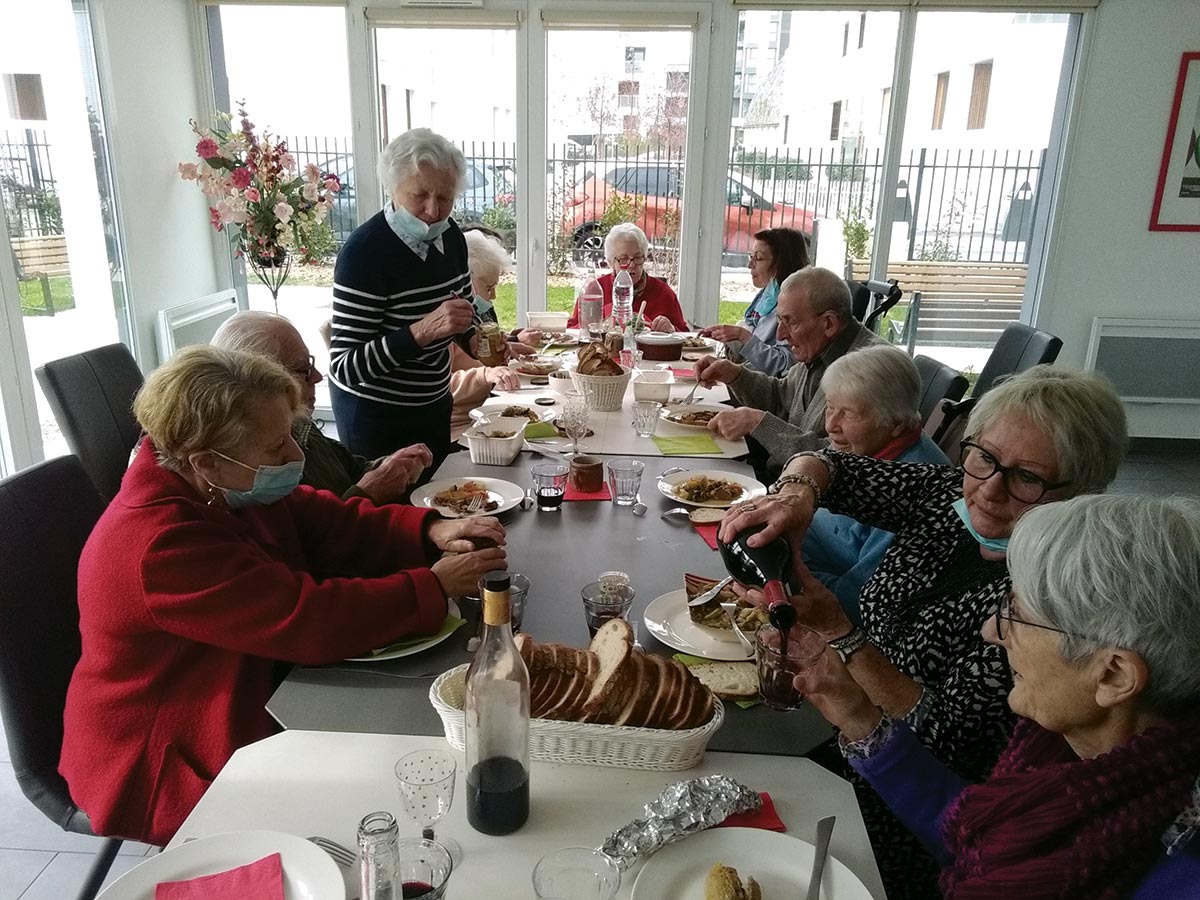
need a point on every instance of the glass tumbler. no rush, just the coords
(518, 596)
(625, 480)
(645, 417)
(424, 870)
(603, 601)
(549, 485)
(777, 671)
(576, 873)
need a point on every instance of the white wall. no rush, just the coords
(151, 89)
(1103, 259)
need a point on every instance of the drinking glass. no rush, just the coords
(424, 870)
(645, 417)
(625, 480)
(777, 672)
(549, 485)
(426, 779)
(576, 873)
(575, 417)
(606, 600)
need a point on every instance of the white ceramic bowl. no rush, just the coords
(560, 381)
(657, 390)
(547, 321)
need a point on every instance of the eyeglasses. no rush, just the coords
(759, 258)
(1021, 484)
(1004, 614)
(304, 370)
(629, 260)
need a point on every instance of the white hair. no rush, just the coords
(824, 290)
(1080, 413)
(418, 147)
(253, 331)
(625, 231)
(884, 378)
(485, 256)
(1118, 572)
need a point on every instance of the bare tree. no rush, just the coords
(600, 105)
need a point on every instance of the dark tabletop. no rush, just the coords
(560, 553)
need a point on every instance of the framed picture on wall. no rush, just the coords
(1177, 199)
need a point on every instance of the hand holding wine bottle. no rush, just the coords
(774, 517)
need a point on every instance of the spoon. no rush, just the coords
(639, 508)
(730, 608)
(677, 511)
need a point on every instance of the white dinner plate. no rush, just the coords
(667, 618)
(672, 413)
(781, 865)
(553, 362)
(710, 346)
(750, 487)
(308, 871)
(431, 641)
(496, 408)
(505, 493)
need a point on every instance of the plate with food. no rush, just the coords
(695, 346)
(668, 618)
(709, 487)
(693, 415)
(502, 410)
(413, 645)
(457, 498)
(718, 865)
(535, 366)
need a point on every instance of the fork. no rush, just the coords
(730, 609)
(691, 395)
(343, 856)
(474, 505)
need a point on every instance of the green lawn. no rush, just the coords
(33, 301)
(562, 298)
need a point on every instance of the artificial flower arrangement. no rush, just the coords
(274, 213)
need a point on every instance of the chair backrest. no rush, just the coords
(860, 299)
(887, 294)
(46, 514)
(938, 382)
(91, 394)
(1018, 348)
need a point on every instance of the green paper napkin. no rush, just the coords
(540, 430)
(688, 660)
(451, 625)
(691, 445)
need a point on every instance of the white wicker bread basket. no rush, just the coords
(592, 745)
(490, 451)
(605, 393)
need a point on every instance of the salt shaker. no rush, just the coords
(379, 857)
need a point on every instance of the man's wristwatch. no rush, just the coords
(849, 643)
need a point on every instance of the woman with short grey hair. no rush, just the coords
(871, 399)
(1044, 435)
(626, 247)
(1096, 793)
(401, 297)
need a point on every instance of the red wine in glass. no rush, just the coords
(412, 890)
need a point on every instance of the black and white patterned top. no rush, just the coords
(924, 606)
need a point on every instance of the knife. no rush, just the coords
(712, 592)
(824, 830)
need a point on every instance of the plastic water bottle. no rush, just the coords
(591, 302)
(622, 308)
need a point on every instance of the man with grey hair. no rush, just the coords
(785, 415)
(328, 465)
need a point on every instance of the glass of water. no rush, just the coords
(625, 480)
(645, 417)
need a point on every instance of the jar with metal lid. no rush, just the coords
(491, 350)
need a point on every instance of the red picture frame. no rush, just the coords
(1177, 197)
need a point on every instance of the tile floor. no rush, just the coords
(40, 862)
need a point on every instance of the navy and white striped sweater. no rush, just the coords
(380, 289)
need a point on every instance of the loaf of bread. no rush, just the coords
(594, 359)
(612, 683)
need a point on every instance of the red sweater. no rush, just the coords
(185, 608)
(660, 301)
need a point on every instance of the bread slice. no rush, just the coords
(704, 515)
(613, 646)
(573, 664)
(728, 680)
(546, 685)
(654, 714)
(702, 703)
(645, 687)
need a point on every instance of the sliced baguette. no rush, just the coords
(645, 686)
(728, 680)
(613, 646)
(575, 684)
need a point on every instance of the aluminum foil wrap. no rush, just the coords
(683, 808)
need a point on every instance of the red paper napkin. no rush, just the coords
(766, 817)
(573, 494)
(685, 374)
(708, 532)
(262, 880)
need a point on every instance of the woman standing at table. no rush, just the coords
(626, 246)
(401, 297)
(211, 567)
(777, 253)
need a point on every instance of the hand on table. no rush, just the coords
(727, 333)
(710, 370)
(735, 424)
(456, 535)
(387, 482)
(662, 323)
(454, 316)
(530, 337)
(459, 574)
(502, 377)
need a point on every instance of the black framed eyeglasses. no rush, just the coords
(1004, 614)
(304, 370)
(1021, 484)
(629, 260)
(760, 258)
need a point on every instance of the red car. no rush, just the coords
(659, 188)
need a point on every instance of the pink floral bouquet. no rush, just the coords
(274, 212)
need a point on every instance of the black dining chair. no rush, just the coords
(884, 294)
(46, 514)
(91, 395)
(938, 382)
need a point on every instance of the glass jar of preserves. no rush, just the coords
(492, 348)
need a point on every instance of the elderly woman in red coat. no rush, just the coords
(210, 567)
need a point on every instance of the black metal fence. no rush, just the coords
(27, 186)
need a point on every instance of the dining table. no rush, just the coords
(310, 783)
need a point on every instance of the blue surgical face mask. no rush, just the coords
(271, 483)
(482, 306)
(406, 224)
(769, 299)
(1000, 545)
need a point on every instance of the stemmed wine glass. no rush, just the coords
(575, 417)
(426, 779)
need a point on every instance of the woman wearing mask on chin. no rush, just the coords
(401, 297)
(210, 568)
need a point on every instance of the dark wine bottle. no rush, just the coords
(767, 567)
(497, 720)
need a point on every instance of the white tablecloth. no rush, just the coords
(308, 783)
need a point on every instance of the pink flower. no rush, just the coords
(332, 184)
(309, 192)
(283, 212)
(241, 178)
(312, 173)
(207, 148)
(188, 171)
(287, 162)
(252, 195)
(214, 218)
